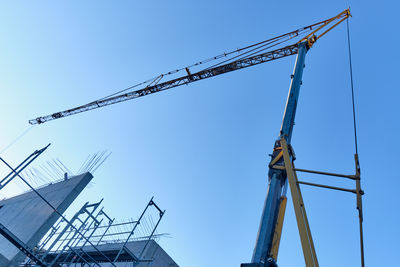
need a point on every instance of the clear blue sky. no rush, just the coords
(202, 150)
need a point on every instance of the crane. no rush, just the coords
(281, 169)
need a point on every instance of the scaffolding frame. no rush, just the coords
(64, 245)
(67, 241)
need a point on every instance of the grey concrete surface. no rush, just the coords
(29, 217)
(153, 252)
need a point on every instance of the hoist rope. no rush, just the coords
(16, 139)
(255, 48)
(359, 205)
(352, 87)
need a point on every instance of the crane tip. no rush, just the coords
(36, 121)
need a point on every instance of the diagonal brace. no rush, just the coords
(307, 243)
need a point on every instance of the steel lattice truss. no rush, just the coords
(201, 75)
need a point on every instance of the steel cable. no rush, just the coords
(359, 207)
(352, 87)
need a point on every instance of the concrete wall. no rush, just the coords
(161, 258)
(29, 217)
(152, 252)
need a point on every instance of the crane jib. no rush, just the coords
(243, 62)
(201, 75)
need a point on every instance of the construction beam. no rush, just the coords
(352, 177)
(328, 186)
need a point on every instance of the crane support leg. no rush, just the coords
(278, 228)
(307, 243)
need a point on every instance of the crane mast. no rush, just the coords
(277, 180)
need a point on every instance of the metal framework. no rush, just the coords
(25, 163)
(95, 239)
(298, 203)
(77, 241)
(4, 231)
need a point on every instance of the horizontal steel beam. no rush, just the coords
(329, 187)
(352, 177)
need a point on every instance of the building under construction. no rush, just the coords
(35, 231)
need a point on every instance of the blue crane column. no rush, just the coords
(277, 178)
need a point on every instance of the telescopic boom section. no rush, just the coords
(262, 255)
